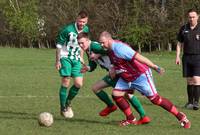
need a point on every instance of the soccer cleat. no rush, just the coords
(195, 106)
(67, 112)
(185, 123)
(127, 122)
(143, 120)
(189, 106)
(108, 110)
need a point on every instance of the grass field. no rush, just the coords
(29, 85)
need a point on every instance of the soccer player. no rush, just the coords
(91, 48)
(134, 72)
(68, 61)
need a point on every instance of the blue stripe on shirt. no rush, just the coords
(122, 50)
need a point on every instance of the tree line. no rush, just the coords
(148, 25)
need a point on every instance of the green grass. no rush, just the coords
(29, 85)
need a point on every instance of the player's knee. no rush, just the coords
(78, 85)
(65, 81)
(117, 92)
(156, 100)
(78, 82)
(95, 88)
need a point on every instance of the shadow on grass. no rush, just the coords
(80, 120)
(27, 116)
(17, 115)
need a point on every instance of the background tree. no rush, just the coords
(147, 24)
(21, 17)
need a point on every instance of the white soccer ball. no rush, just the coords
(45, 119)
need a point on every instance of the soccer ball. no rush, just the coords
(45, 119)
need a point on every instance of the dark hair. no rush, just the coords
(192, 10)
(83, 35)
(82, 14)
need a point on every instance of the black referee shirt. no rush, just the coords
(190, 38)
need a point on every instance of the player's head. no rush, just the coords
(81, 19)
(193, 17)
(105, 39)
(83, 40)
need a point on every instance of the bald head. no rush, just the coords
(105, 39)
(105, 34)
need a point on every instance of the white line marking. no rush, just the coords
(32, 96)
(78, 96)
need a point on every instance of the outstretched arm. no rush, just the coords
(149, 63)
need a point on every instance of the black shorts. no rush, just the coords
(191, 65)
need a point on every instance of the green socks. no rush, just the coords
(72, 93)
(137, 105)
(63, 96)
(104, 97)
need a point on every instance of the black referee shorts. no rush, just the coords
(191, 65)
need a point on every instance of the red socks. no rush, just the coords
(124, 106)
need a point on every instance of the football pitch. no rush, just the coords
(29, 85)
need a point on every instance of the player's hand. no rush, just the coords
(160, 70)
(178, 61)
(112, 73)
(94, 56)
(84, 68)
(58, 65)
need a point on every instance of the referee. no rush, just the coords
(189, 39)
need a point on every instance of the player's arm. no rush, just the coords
(61, 38)
(60, 41)
(92, 65)
(82, 56)
(178, 52)
(148, 62)
(89, 68)
(127, 53)
(58, 64)
(179, 45)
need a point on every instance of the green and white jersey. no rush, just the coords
(67, 41)
(103, 61)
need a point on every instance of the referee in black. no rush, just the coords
(189, 40)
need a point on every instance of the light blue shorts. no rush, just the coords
(144, 84)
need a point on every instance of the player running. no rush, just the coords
(68, 61)
(91, 48)
(134, 72)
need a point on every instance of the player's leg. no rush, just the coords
(78, 81)
(118, 96)
(196, 81)
(135, 102)
(188, 73)
(190, 89)
(97, 88)
(170, 107)
(63, 92)
(73, 91)
(196, 92)
(65, 72)
(146, 86)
